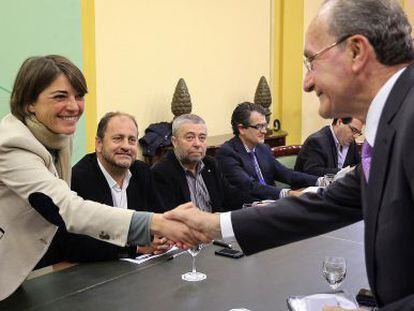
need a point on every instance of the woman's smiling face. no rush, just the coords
(59, 106)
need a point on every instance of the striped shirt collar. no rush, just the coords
(199, 168)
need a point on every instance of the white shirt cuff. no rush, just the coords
(283, 193)
(320, 182)
(226, 226)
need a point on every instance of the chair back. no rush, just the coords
(286, 155)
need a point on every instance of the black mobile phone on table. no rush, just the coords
(228, 252)
(366, 298)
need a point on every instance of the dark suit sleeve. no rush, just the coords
(288, 176)
(148, 195)
(312, 158)
(296, 218)
(155, 199)
(233, 197)
(233, 170)
(81, 248)
(353, 157)
(406, 304)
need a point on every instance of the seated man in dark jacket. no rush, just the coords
(112, 176)
(249, 164)
(187, 174)
(331, 148)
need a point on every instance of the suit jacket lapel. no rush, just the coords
(350, 155)
(133, 194)
(182, 180)
(210, 182)
(379, 164)
(262, 159)
(374, 193)
(247, 162)
(101, 185)
(333, 151)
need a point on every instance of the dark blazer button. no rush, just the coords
(104, 236)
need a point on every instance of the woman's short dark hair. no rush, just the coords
(241, 115)
(36, 74)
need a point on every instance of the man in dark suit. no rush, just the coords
(359, 57)
(187, 174)
(331, 148)
(112, 176)
(249, 164)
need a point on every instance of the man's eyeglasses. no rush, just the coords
(259, 127)
(308, 60)
(355, 131)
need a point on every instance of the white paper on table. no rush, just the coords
(144, 258)
(313, 189)
(315, 303)
(343, 172)
(318, 301)
(262, 203)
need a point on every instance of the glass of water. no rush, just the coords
(194, 275)
(334, 271)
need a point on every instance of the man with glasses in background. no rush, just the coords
(369, 76)
(331, 148)
(249, 164)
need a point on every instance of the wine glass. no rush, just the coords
(334, 271)
(194, 275)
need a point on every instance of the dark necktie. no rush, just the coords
(366, 157)
(257, 168)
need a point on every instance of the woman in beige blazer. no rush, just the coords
(35, 150)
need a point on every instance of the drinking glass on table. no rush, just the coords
(194, 275)
(334, 271)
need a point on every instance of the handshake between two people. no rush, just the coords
(186, 226)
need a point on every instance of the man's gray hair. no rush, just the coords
(382, 22)
(186, 118)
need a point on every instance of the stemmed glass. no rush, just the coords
(334, 271)
(194, 275)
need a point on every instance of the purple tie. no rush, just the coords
(366, 158)
(256, 167)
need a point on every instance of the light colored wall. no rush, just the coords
(287, 94)
(41, 27)
(311, 121)
(409, 9)
(221, 51)
(220, 47)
